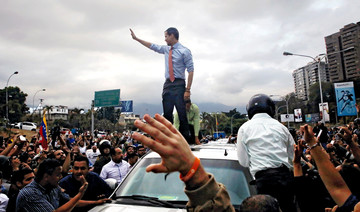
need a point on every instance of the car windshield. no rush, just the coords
(168, 186)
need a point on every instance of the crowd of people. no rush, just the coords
(87, 170)
(32, 172)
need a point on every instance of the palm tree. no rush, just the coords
(207, 122)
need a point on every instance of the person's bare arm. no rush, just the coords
(352, 141)
(172, 147)
(7, 150)
(188, 86)
(83, 203)
(176, 156)
(10, 150)
(298, 151)
(145, 43)
(331, 178)
(66, 165)
(74, 201)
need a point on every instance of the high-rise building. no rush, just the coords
(307, 76)
(343, 50)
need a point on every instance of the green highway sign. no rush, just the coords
(107, 98)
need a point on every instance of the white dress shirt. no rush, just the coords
(115, 171)
(4, 200)
(264, 143)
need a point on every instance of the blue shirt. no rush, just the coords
(181, 58)
(34, 197)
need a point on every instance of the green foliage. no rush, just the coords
(208, 122)
(108, 113)
(16, 103)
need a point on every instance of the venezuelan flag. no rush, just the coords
(43, 135)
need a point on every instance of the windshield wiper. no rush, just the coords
(153, 200)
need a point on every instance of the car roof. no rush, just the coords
(218, 152)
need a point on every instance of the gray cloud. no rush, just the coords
(73, 48)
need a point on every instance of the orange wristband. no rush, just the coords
(192, 171)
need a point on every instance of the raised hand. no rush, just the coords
(168, 142)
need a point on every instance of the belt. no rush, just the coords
(176, 79)
(270, 171)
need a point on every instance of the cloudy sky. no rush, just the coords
(74, 48)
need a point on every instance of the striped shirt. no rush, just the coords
(35, 198)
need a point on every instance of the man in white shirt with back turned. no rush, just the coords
(266, 147)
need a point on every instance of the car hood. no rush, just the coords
(132, 208)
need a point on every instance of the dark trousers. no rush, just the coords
(173, 95)
(278, 183)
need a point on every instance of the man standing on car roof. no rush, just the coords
(178, 58)
(267, 148)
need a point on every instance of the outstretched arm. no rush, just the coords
(177, 156)
(175, 152)
(145, 43)
(352, 141)
(298, 151)
(7, 150)
(74, 201)
(331, 178)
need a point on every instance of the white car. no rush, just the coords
(143, 191)
(26, 126)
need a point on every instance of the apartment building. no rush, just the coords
(307, 76)
(343, 51)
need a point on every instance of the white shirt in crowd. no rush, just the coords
(115, 171)
(92, 156)
(82, 149)
(264, 143)
(4, 200)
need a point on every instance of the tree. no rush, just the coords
(75, 117)
(207, 122)
(108, 113)
(16, 103)
(234, 113)
(314, 96)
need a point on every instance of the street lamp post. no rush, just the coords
(320, 87)
(318, 60)
(287, 106)
(7, 96)
(34, 98)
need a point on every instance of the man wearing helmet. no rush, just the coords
(266, 147)
(104, 158)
